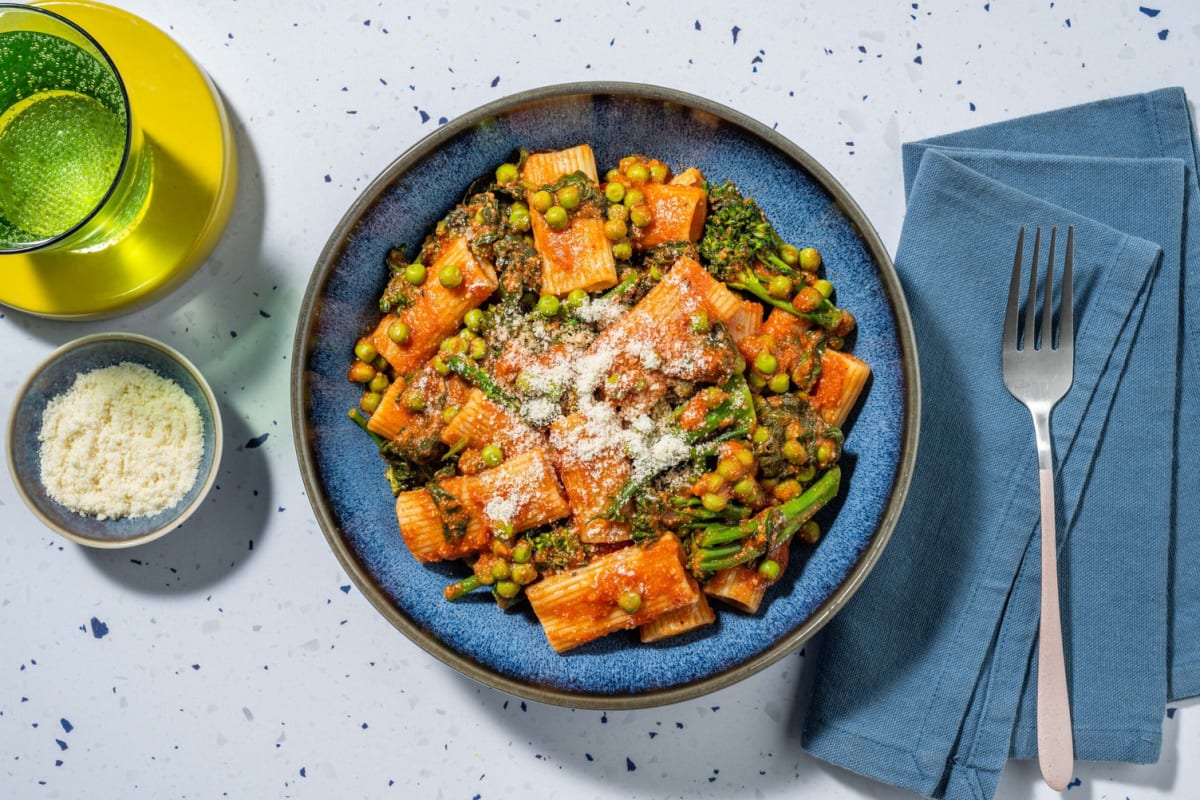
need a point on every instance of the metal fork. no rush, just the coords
(1038, 373)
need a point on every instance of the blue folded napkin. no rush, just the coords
(927, 679)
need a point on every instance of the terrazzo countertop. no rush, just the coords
(234, 658)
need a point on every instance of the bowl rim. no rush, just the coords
(216, 425)
(431, 644)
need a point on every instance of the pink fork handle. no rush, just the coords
(1056, 746)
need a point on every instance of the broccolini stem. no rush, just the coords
(827, 316)
(621, 288)
(459, 588)
(716, 546)
(361, 422)
(483, 380)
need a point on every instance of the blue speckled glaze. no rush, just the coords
(346, 476)
(53, 379)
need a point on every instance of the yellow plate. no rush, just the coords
(195, 181)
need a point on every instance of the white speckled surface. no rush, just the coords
(233, 658)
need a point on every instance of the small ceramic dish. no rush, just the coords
(53, 377)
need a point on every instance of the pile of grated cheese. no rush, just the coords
(123, 441)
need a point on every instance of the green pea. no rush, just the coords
(618, 212)
(522, 552)
(568, 196)
(658, 172)
(629, 602)
(370, 401)
(576, 298)
(473, 319)
(633, 197)
(479, 349)
(806, 474)
(809, 259)
(365, 350)
(492, 455)
(361, 372)
(745, 489)
(739, 365)
(766, 363)
(518, 219)
(450, 276)
(547, 305)
(756, 381)
(466, 334)
(780, 286)
(379, 383)
(699, 322)
(556, 218)
(730, 469)
(793, 451)
(440, 366)
(623, 251)
(541, 200)
(637, 173)
(779, 383)
(524, 574)
(615, 230)
(824, 453)
(449, 413)
(414, 273)
(640, 215)
(655, 274)
(760, 435)
(824, 287)
(455, 345)
(769, 569)
(809, 532)
(835, 342)
(413, 401)
(506, 173)
(615, 192)
(508, 589)
(399, 332)
(612, 175)
(500, 570)
(790, 255)
(744, 457)
(713, 502)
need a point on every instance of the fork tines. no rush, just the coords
(1018, 334)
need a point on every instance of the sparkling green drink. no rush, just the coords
(75, 172)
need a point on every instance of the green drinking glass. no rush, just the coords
(75, 169)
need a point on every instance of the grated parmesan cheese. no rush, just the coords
(123, 441)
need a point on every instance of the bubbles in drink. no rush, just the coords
(59, 153)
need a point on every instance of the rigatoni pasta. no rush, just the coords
(578, 391)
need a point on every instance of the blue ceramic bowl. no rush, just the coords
(55, 376)
(343, 474)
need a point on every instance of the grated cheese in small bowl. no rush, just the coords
(114, 440)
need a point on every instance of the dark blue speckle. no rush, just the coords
(917, 60)
(68, 727)
(99, 629)
(196, 667)
(345, 589)
(1149, 12)
(1073, 784)
(697, 24)
(629, 765)
(495, 81)
(61, 744)
(604, 719)
(257, 441)
(1170, 713)
(588, 756)
(735, 31)
(972, 106)
(328, 178)
(424, 115)
(1162, 35)
(364, 726)
(523, 706)
(303, 772)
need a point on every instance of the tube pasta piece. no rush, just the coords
(545, 168)
(842, 380)
(659, 330)
(677, 213)
(743, 586)
(480, 422)
(580, 255)
(694, 615)
(437, 310)
(454, 518)
(747, 321)
(581, 605)
(391, 417)
(689, 177)
(592, 473)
